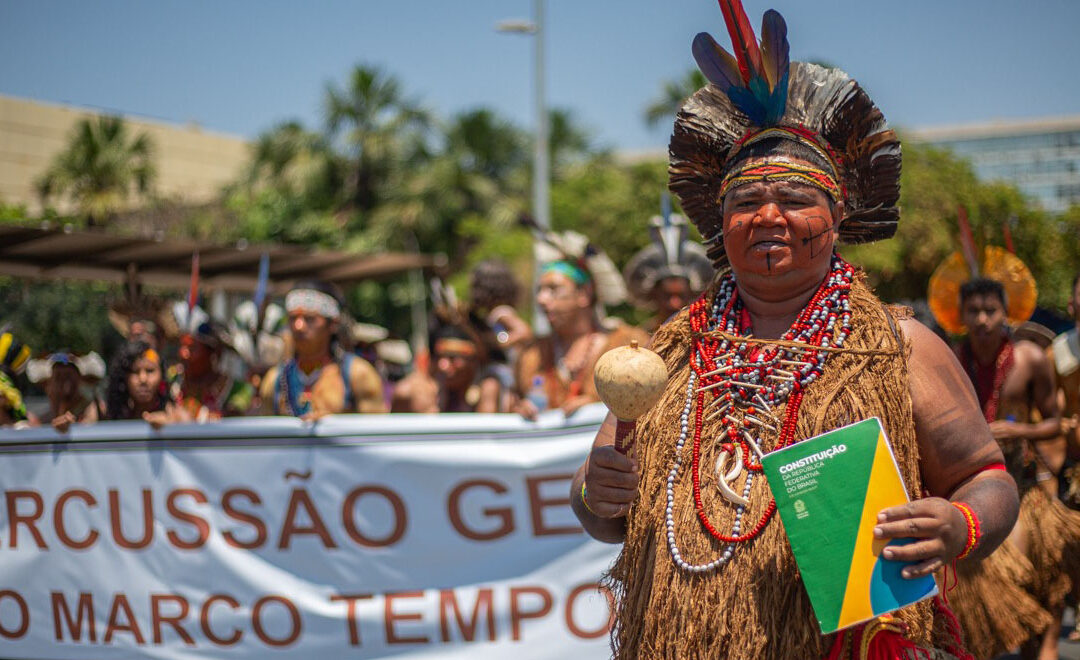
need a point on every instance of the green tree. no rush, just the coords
(101, 167)
(672, 96)
(476, 177)
(380, 131)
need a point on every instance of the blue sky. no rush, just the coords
(242, 66)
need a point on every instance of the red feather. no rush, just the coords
(743, 39)
(967, 241)
(193, 290)
(1006, 229)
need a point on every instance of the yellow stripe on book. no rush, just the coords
(885, 490)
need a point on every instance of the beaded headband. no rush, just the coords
(455, 346)
(315, 302)
(780, 169)
(579, 275)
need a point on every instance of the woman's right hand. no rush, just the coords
(611, 482)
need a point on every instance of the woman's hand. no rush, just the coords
(611, 482)
(938, 528)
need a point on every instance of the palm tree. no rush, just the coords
(479, 174)
(99, 169)
(296, 162)
(379, 129)
(674, 94)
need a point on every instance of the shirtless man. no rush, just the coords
(315, 383)
(458, 379)
(1014, 382)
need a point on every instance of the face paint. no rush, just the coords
(773, 228)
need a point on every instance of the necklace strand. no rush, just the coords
(743, 383)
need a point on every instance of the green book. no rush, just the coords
(829, 490)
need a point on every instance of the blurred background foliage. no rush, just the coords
(385, 173)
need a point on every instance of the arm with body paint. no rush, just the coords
(955, 450)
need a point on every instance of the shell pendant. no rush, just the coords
(725, 475)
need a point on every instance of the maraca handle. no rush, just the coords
(624, 435)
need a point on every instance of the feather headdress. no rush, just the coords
(576, 248)
(760, 88)
(671, 254)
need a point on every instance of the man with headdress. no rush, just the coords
(13, 358)
(1015, 596)
(576, 281)
(205, 386)
(775, 162)
(322, 378)
(671, 272)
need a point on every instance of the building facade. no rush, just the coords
(1041, 157)
(192, 165)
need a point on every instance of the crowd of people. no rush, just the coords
(788, 342)
(306, 358)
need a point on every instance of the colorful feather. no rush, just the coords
(775, 56)
(967, 242)
(193, 290)
(716, 64)
(263, 281)
(743, 39)
(755, 78)
(1006, 229)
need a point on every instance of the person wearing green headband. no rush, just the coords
(555, 371)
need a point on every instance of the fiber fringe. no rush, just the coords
(1053, 539)
(756, 606)
(995, 606)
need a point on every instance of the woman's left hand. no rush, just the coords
(938, 528)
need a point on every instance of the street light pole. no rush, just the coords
(541, 162)
(541, 197)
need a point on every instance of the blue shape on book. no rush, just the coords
(889, 590)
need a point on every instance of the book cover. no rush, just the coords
(829, 490)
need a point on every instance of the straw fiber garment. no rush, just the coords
(1053, 538)
(755, 607)
(992, 600)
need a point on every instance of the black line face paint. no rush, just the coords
(768, 261)
(812, 237)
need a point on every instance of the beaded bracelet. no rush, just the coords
(974, 530)
(585, 501)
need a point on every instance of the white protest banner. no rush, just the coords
(410, 536)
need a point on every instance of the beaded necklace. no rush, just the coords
(989, 379)
(743, 381)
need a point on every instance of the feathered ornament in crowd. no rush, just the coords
(576, 248)
(671, 254)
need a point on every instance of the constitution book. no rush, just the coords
(829, 490)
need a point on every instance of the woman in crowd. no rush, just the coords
(137, 389)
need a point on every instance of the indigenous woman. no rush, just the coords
(576, 281)
(774, 163)
(136, 387)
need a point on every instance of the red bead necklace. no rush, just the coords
(746, 381)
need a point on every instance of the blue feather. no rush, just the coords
(777, 104)
(715, 63)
